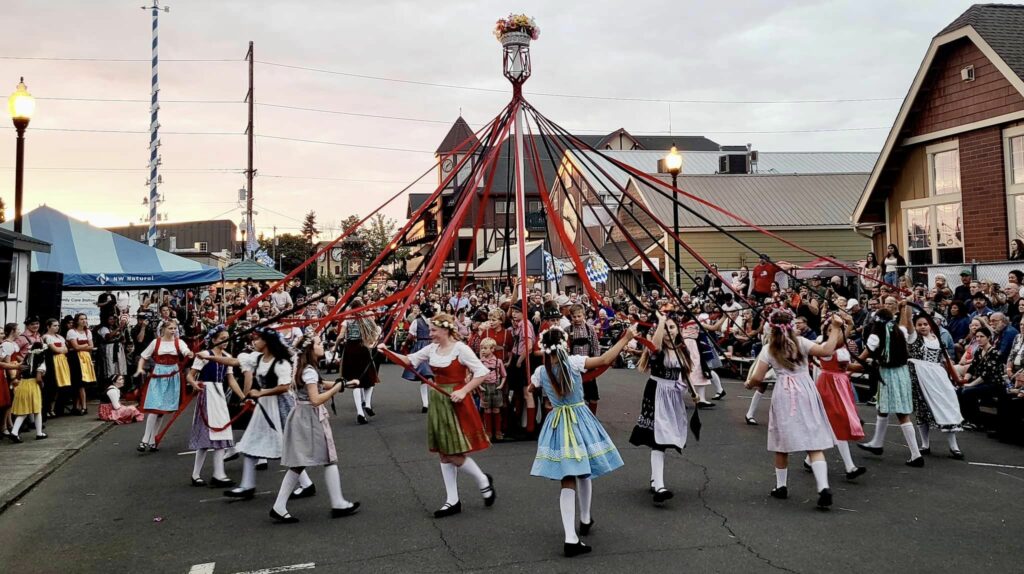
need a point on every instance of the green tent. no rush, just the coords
(249, 270)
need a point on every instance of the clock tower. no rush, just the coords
(452, 150)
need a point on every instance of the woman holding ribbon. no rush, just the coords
(211, 424)
(662, 422)
(162, 392)
(797, 420)
(359, 335)
(454, 428)
(419, 338)
(573, 447)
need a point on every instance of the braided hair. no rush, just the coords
(783, 345)
(555, 344)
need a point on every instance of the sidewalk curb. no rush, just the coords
(25, 486)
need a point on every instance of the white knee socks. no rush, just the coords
(287, 486)
(951, 437)
(357, 397)
(151, 420)
(367, 397)
(304, 480)
(248, 473)
(17, 424)
(701, 393)
(754, 401)
(881, 425)
(218, 465)
(716, 382)
(658, 469)
(472, 469)
(332, 476)
(781, 474)
(197, 468)
(424, 393)
(450, 474)
(585, 491)
(38, 419)
(820, 470)
(567, 504)
(911, 437)
(844, 451)
(925, 431)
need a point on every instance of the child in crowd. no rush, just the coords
(111, 408)
(493, 388)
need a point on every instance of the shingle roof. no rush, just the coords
(22, 242)
(618, 254)
(459, 132)
(416, 201)
(814, 201)
(248, 269)
(1000, 25)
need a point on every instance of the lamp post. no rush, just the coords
(673, 164)
(21, 105)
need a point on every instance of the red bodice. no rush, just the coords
(166, 359)
(453, 374)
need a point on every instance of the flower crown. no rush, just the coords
(563, 345)
(308, 337)
(213, 332)
(783, 326)
(443, 325)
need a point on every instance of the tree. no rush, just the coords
(309, 230)
(3, 211)
(378, 233)
(292, 250)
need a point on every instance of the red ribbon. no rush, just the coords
(396, 358)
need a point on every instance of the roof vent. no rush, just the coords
(967, 73)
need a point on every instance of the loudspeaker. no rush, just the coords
(45, 290)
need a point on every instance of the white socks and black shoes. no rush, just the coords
(780, 491)
(567, 505)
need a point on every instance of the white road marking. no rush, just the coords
(275, 570)
(996, 465)
(186, 452)
(1011, 476)
(202, 568)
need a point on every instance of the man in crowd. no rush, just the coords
(981, 307)
(1003, 334)
(963, 290)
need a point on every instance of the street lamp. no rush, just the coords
(21, 105)
(673, 164)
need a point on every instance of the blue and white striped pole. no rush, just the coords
(154, 135)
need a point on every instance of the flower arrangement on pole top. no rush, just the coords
(517, 23)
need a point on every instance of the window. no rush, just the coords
(534, 206)
(933, 226)
(500, 206)
(1013, 145)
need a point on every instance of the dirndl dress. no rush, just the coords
(935, 400)
(308, 440)
(420, 335)
(211, 409)
(797, 420)
(895, 394)
(58, 373)
(163, 389)
(357, 363)
(28, 398)
(265, 433)
(662, 421)
(122, 414)
(572, 441)
(833, 385)
(5, 390)
(452, 428)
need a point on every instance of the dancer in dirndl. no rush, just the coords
(935, 400)
(887, 345)
(81, 345)
(662, 423)
(797, 420)
(164, 388)
(28, 397)
(111, 408)
(573, 447)
(211, 423)
(836, 392)
(700, 374)
(359, 335)
(454, 428)
(419, 338)
(308, 440)
(58, 374)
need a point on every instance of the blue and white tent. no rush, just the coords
(91, 258)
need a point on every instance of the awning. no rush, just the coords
(90, 257)
(251, 270)
(502, 264)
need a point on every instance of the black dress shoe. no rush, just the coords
(370, 413)
(855, 473)
(751, 421)
(262, 466)
(152, 447)
(303, 492)
(872, 449)
(232, 457)
(719, 396)
(705, 405)
(917, 462)
(361, 420)
(198, 482)
(780, 492)
(42, 437)
(243, 493)
(15, 438)
(663, 494)
(927, 450)
(448, 510)
(141, 447)
(490, 495)
(575, 549)
(585, 527)
(824, 498)
(956, 455)
(424, 410)
(807, 467)
(343, 512)
(286, 519)
(221, 483)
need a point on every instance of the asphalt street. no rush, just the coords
(110, 509)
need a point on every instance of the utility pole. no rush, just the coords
(249, 172)
(275, 243)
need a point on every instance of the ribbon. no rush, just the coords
(397, 358)
(567, 415)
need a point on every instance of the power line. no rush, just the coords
(275, 176)
(147, 60)
(131, 169)
(105, 131)
(138, 100)
(383, 148)
(578, 96)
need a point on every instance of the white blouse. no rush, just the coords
(166, 348)
(283, 370)
(82, 338)
(577, 363)
(460, 351)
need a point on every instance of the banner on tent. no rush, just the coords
(141, 280)
(75, 302)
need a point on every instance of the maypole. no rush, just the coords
(154, 128)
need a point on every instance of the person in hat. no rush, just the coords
(564, 304)
(963, 291)
(980, 302)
